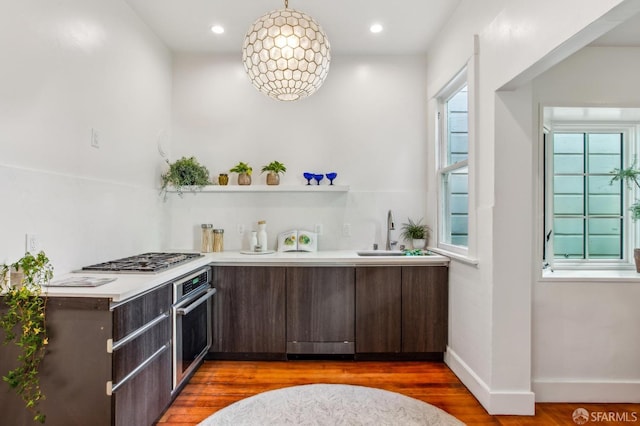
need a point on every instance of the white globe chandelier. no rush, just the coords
(286, 54)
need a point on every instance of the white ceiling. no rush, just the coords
(409, 25)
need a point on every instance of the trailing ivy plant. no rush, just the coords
(185, 172)
(24, 323)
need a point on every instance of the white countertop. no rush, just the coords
(128, 285)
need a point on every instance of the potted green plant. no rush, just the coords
(274, 169)
(185, 172)
(630, 177)
(244, 173)
(416, 232)
(24, 324)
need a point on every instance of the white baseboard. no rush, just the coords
(584, 391)
(514, 403)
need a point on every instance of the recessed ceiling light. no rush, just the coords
(217, 29)
(376, 28)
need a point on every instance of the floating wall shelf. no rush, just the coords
(265, 188)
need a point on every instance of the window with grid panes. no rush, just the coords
(454, 175)
(586, 209)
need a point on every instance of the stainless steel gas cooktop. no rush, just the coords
(143, 263)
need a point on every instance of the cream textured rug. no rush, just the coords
(323, 404)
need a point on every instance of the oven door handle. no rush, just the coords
(200, 301)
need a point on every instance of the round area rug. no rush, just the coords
(324, 404)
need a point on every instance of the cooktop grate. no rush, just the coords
(147, 262)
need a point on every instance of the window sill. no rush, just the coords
(592, 275)
(455, 256)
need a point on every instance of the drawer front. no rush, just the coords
(134, 314)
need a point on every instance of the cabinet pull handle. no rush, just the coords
(129, 337)
(113, 388)
(200, 301)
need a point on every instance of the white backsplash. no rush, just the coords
(366, 212)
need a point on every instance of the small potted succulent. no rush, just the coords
(416, 232)
(273, 170)
(244, 173)
(185, 172)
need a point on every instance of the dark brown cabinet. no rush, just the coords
(249, 310)
(142, 367)
(378, 309)
(401, 309)
(425, 296)
(320, 310)
(105, 364)
(263, 312)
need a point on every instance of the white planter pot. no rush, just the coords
(418, 244)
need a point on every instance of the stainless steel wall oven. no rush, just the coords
(191, 312)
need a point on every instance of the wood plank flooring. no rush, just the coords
(220, 383)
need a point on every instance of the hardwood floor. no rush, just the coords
(220, 383)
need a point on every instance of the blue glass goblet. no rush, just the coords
(331, 176)
(318, 178)
(308, 176)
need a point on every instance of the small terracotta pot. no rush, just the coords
(636, 257)
(244, 179)
(273, 178)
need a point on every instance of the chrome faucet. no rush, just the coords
(390, 227)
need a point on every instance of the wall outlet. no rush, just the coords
(32, 243)
(240, 228)
(95, 138)
(318, 229)
(346, 230)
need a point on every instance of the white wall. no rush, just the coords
(585, 345)
(517, 40)
(68, 67)
(367, 123)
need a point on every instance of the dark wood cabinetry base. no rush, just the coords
(377, 312)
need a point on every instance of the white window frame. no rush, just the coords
(464, 77)
(631, 230)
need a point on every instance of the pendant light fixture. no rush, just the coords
(286, 54)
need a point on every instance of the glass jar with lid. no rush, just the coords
(206, 240)
(218, 240)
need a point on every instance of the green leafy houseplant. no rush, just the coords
(630, 177)
(242, 168)
(185, 172)
(415, 230)
(274, 168)
(244, 173)
(24, 324)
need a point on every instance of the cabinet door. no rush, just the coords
(249, 309)
(424, 308)
(378, 309)
(320, 308)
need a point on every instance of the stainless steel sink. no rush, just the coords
(380, 253)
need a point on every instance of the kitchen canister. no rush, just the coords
(262, 235)
(218, 240)
(206, 239)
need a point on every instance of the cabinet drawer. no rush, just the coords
(135, 313)
(130, 355)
